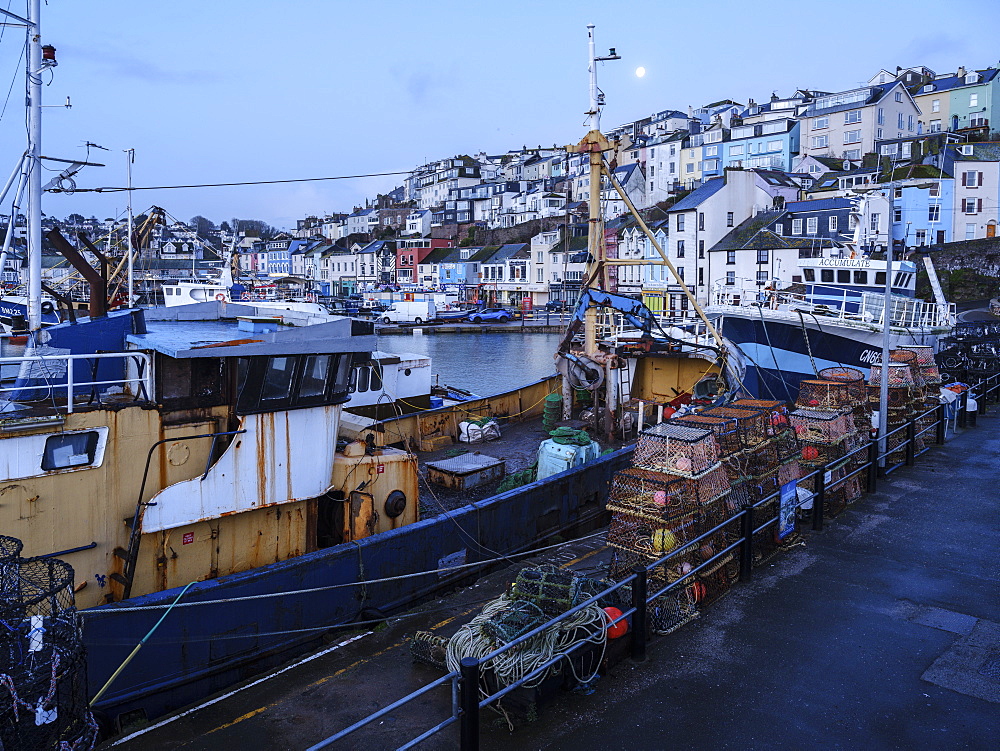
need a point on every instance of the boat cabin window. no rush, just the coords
(809, 275)
(861, 277)
(826, 275)
(188, 383)
(880, 278)
(901, 280)
(843, 276)
(367, 377)
(66, 450)
(269, 384)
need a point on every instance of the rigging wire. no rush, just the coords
(112, 189)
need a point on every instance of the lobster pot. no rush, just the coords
(854, 378)
(817, 454)
(740, 495)
(928, 417)
(708, 488)
(764, 486)
(900, 374)
(816, 426)
(10, 551)
(653, 493)
(676, 449)
(765, 541)
(672, 610)
(758, 461)
(650, 535)
(777, 411)
(825, 395)
(840, 496)
(548, 587)
(925, 362)
(622, 562)
(909, 358)
(900, 397)
(789, 471)
(724, 429)
(786, 443)
(716, 580)
(751, 424)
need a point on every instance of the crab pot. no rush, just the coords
(652, 493)
(909, 358)
(777, 411)
(817, 454)
(925, 362)
(649, 535)
(672, 610)
(708, 488)
(766, 542)
(900, 397)
(900, 374)
(548, 587)
(676, 449)
(726, 435)
(841, 495)
(786, 443)
(754, 462)
(751, 424)
(852, 376)
(825, 395)
(815, 426)
(789, 471)
(717, 580)
(622, 562)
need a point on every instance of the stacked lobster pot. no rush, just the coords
(828, 435)
(928, 371)
(674, 493)
(905, 394)
(857, 392)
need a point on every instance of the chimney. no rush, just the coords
(961, 71)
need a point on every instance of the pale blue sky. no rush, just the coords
(225, 91)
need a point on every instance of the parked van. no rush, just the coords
(407, 311)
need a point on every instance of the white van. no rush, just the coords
(407, 311)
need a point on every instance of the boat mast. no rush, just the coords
(34, 86)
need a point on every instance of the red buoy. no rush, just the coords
(617, 629)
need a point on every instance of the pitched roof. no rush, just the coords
(983, 151)
(698, 196)
(754, 234)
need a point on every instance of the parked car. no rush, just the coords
(491, 314)
(556, 306)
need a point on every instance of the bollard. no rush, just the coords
(911, 442)
(639, 594)
(872, 466)
(819, 499)
(942, 425)
(746, 543)
(469, 703)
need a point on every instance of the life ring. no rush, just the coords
(220, 297)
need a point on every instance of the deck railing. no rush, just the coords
(52, 376)
(464, 683)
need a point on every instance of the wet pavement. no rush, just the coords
(881, 632)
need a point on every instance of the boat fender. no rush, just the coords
(48, 307)
(220, 297)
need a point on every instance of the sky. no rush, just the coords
(223, 91)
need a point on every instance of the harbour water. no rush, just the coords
(484, 364)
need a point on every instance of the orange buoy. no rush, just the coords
(616, 629)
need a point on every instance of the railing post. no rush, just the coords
(911, 442)
(639, 594)
(974, 414)
(963, 400)
(469, 703)
(942, 425)
(746, 543)
(872, 466)
(819, 499)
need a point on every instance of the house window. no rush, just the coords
(68, 450)
(672, 167)
(736, 150)
(819, 142)
(701, 249)
(899, 120)
(812, 225)
(774, 145)
(729, 218)
(921, 237)
(935, 190)
(852, 136)
(909, 123)
(933, 213)
(820, 122)
(899, 96)
(934, 126)
(972, 179)
(680, 222)
(761, 278)
(906, 149)
(852, 154)
(935, 105)
(874, 223)
(970, 231)
(701, 221)
(730, 257)
(897, 215)
(972, 205)
(881, 116)
(680, 248)
(701, 275)
(762, 256)
(711, 151)
(730, 278)
(833, 223)
(796, 226)
(973, 100)
(878, 133)
(852, 116)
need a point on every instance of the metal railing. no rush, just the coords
(465, 682)
(61, 380)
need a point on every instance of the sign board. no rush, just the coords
(187, 538)
(789, 501)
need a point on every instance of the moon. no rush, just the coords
(640, 72)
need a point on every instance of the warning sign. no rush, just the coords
(188, 538)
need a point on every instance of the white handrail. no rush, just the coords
(70, 383)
